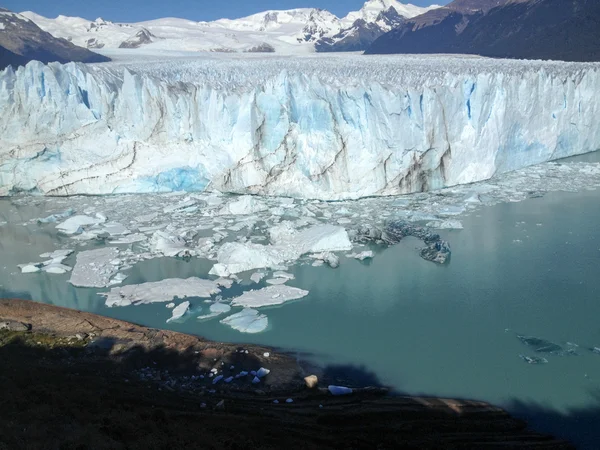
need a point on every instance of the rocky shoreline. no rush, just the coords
(242, 396)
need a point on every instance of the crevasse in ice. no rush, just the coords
(328, 128)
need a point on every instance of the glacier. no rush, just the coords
(329, 128)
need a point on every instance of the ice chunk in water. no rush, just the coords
(216, 309)
(179, 311)
(75, 224)
(277, 281)
(247, 321)
(169, 245)
(160, 291)
(243, 206)
(257, 277)
(94, 268)
(269, 296)
(56, 217)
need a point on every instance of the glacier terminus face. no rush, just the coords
(327, 127)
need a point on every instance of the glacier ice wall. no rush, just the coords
(307, 127)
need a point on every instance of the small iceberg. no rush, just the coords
(269, 296)
(247, 321)
(179, 311)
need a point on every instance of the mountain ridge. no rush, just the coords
(21, 41)
(301, 30)
(527, 29)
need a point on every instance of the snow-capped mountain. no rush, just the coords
(289, 31)
(21, 40)
(531, 29)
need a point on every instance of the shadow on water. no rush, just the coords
(76, 396)
(578, 425)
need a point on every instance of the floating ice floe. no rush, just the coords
(76, 224)
(362, 255)
(53, 265)
(169, 245)
(277, 281)
(117, 279)
(160, 291)
(247, 321)
(94, 268)
(245, 205)
(257, 277)
(224, 282)
(129, 239)
(287, 245)
(327, 257)
(269, 296)
(446, 224)
(179, 311)
(216, 309)
(56, 217)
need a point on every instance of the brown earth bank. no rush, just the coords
(75, 380)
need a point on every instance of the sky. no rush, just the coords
(140, 10)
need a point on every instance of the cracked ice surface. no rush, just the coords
(335, 127)
(94, 268)
(160, 291)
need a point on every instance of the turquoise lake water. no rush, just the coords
(530, 268)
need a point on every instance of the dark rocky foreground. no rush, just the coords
(74, 380)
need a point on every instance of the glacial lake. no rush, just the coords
(529, 268)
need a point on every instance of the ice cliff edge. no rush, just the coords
(342, 127)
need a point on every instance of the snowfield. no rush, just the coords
(291, 31)
(327, 127)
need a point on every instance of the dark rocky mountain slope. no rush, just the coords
(21, 41)
(531, 29)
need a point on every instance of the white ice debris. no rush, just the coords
(57, 255)
(160, 291)
(179, 311)
(170, 305)
(94, 268)
(327, 257)
(117, 279)
(446, 224)
(216, 309)
(257, 277)
(76, 224)
(243, 206)
(247, 321)
(269, 296)
(282, 274)
(368, 254)
(224, 282)
(56, 217)
(53, 265)
(288, 245)
(169, 245)
(30, 268)
(277, 281)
